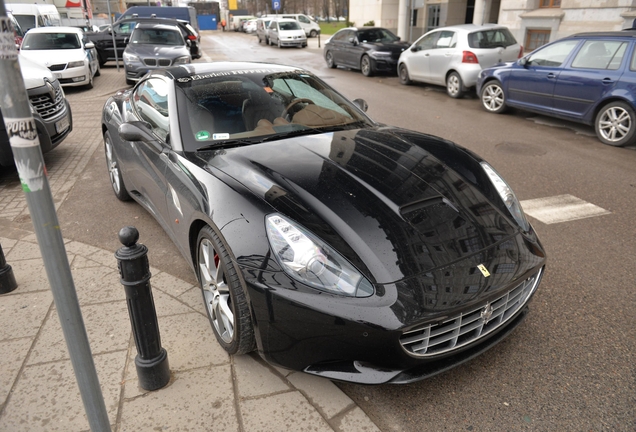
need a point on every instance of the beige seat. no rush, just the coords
(315, 116)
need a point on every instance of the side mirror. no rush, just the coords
(89, 45)
(362, 104)
(523, 61)
(138, 131)
(416, 48)
(125, 41)
(399, 39)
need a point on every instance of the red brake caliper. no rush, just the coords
(216, 259)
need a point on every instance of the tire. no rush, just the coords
(130, 82)
(403, 72)
(493, 98)
(615, 124)
(329, 59)
(98, 72)
(223, 294)
(455, 86)
(90, 80)
(279, 43)
(313, 33)
(269, 42)
(116, 179)
(366, 66)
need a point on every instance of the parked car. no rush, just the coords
(49, 107)
(249, 26)
(34, 15)
(588, 78)
(369, 49)
(285, 33)
(307, 23)
(331, 244)
(453, 56)
(153, 46)
(122, 30)
(65, 51)
(262, 25)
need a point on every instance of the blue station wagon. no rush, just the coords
(587, 77)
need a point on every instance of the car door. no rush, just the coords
(339, 43)
(418, 62)
(272, 33)
(531, 81)
(593, 72)
(121, 32)
(441, 56)
(150, 103)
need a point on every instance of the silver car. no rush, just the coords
(153, 46)
(453, 56)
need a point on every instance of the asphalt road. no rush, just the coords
(570, 365)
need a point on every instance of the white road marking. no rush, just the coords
(561, 208)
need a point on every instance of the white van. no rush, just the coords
(34, 15)
(311, 27)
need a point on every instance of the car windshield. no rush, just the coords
(376, 35)
(289, 25)
(156, 36)
(254, 106)
(50, 41)
(491, 38)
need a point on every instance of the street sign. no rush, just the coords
(276, 5)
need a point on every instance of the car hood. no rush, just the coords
(146, 50)
(52, 57)
(34, 73)
(395, 203)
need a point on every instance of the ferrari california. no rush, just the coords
(328, 242)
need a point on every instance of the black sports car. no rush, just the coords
(328, 242)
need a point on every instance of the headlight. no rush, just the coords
(75, 64)
(130, 57)
(311, 261)
(382, 54)
(182, 60)
(507, 195)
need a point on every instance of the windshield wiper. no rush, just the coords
(227, 143)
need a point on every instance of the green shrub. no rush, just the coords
(369, 24)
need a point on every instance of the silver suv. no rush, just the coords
(453, 56)
(51, 110)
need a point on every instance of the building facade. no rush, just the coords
(533, 22)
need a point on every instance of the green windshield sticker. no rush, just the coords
(202, 135)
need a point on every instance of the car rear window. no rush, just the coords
(493, 38)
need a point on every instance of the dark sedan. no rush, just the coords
(121, 31)
(154, 46)
(369, 49)
(329, 243)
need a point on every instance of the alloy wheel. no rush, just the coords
(614, 124)
(113, 169)
(492, 97)
(216, 291)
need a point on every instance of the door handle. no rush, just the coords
(608, 81)
(551, 75)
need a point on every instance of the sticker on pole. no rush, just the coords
(8, 50)
(22, 132)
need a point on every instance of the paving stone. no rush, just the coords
(282, 412)
(13, 354)
(254, 379)
(23, 313)
(186, 404)
(322, 393)
(357, 420)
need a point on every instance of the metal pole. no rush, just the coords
(23, 137)
(112, 33)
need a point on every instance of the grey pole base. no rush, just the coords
(153, 374)
(7, 280)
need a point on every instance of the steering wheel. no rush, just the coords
(293, 103)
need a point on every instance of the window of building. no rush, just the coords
(535, 39)
(432, 21)
(550, 3)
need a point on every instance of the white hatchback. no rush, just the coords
(286, 32)
(453, 56)
(65, 51)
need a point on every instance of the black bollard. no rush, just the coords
(151, 360)
(7, 279)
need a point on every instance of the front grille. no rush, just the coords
(57, 67)
(41, 100)
(155, 62)
(434, 339)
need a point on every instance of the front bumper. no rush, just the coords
(78, 76)
(293, 42)
(380, 339)
(384, 64)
